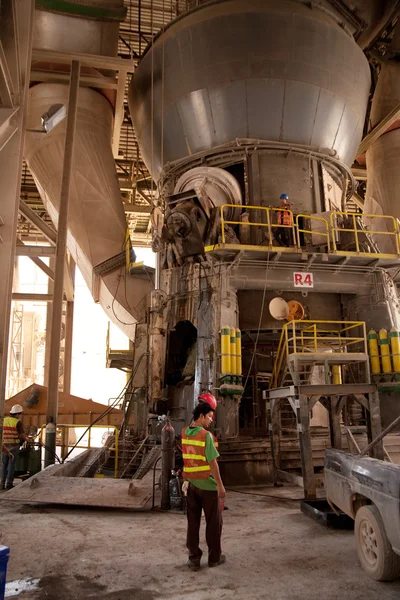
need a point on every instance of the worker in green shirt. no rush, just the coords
(205, 490)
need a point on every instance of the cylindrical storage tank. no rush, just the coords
(282, 72)
(225, 350)
(233, 351)
(373, 350)
(336, 375)
(384, 348)
(383, 158)
(395, 349)
(96, 218)
(238, 352)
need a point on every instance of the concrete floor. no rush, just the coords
(273, 551)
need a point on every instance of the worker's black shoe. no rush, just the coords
(9, 486)
(221, 561)
(194, 564)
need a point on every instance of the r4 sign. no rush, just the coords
(304, 280)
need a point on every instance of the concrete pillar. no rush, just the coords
(217, 307)
(69, 325)
(17, 19)
(61, 249)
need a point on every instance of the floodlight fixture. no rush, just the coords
(54, 116)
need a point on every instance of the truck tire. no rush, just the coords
(373, 547)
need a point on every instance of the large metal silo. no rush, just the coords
(278, 72)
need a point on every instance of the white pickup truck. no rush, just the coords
(368, 490)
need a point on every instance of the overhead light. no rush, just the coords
(54, 116)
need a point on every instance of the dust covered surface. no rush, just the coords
(273, 551)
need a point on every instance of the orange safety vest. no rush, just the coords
(10, 433)
(195, 465)
(285, 218)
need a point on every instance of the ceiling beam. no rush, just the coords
(356, 198)
(44, 76)
(7, 125)
(32, 297)
(109, 63)
(137, 208)
(119, 113)
(35, 251)
(69, 288)
(379, 129)
(359, 173)
(30, 214)
(39, 263)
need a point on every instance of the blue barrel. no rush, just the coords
(4, 554)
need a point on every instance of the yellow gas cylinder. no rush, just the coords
(238, 352)
(374, 352)
(337, 375)
(225, 350)
(395, 349)
(384, 347)
(233, 351)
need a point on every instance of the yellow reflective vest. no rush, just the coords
(195, 465)
(10, 433)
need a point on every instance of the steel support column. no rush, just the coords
(61, 249)
(16, 30)
(69, 325)
(374, 427)
(303, 427)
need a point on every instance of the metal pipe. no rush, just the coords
(61, 248)
(167, 461)
(388, 429)
(69, 325)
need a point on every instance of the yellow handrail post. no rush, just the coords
(116, 454)
(294, 338)
(269, 227)
(222, 223)
(297, 234)
(356, 232)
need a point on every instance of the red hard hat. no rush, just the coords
(210, 399)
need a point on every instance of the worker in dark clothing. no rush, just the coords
(13, 437)
(285, 219)
(205, 490)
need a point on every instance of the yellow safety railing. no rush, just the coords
(304, 225)
(267, 212)
(391, 221)
(65, 443)
(317, 231)
(305, 337)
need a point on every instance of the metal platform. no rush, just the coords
(302, 399)
(320, 390)
(339, 258)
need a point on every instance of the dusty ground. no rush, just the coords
(273, 551)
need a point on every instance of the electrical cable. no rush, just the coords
(259, 323)
(265, 495)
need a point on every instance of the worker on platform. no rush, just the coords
(205, 490)
(13, 438)
(285, 221)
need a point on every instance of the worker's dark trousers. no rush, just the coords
(7, 471)
(283, 237)
(208, 501)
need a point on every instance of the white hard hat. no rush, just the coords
(17, 408)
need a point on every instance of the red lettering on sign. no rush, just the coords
(298, 279)
(308, 280)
